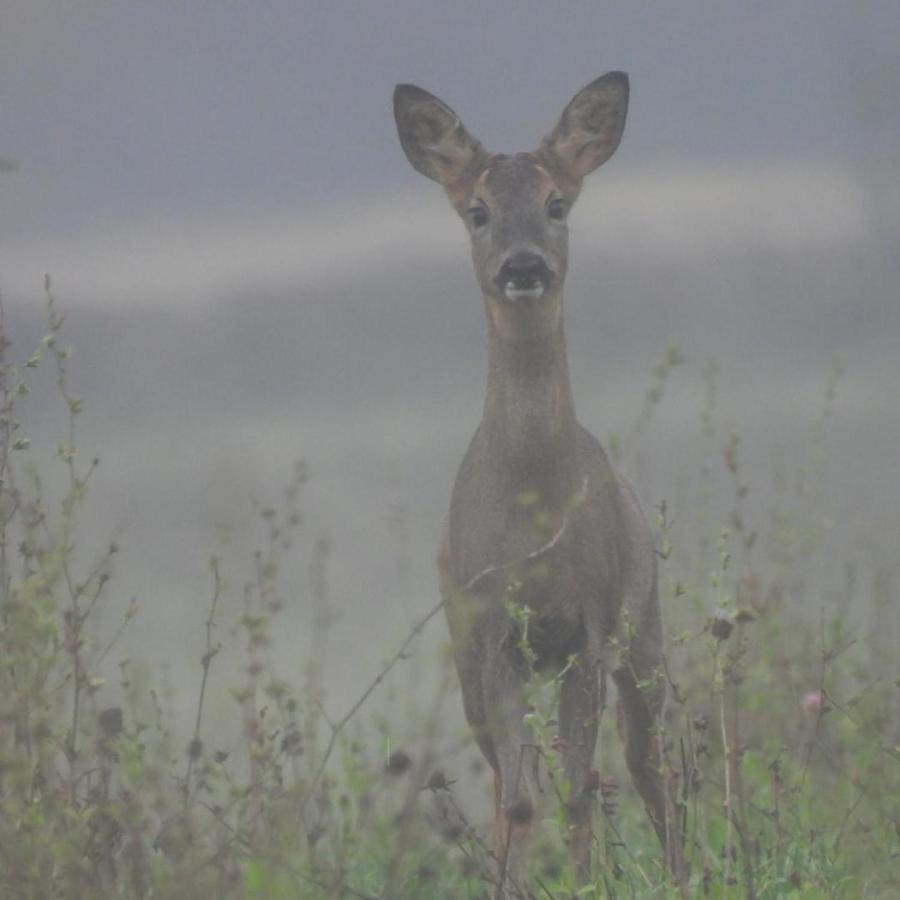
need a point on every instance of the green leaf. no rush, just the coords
(255, 877)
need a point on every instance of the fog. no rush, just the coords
(253, 274)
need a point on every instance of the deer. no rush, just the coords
(539, 521)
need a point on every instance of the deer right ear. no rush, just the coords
(433, 137)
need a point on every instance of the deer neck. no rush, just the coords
(529, 423)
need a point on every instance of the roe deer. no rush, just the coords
(537, 516)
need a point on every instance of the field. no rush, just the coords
(782, 728)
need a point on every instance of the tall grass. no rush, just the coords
(782, 728)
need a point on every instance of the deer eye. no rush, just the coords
(557, 209)
(478, 216)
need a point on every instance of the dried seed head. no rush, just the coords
(453, 833)
(111, 721)
(397, 763)
(437, 781)
(292, 743)
(521, 812)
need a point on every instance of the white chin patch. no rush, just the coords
(514, 294)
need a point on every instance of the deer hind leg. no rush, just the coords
(639, 709)
(579, 719)
(641, 697)
(637, 669)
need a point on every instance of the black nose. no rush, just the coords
(524, 271)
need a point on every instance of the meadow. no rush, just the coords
(782, 727)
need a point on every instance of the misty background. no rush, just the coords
(253, 274)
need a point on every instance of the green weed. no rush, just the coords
(782, 731)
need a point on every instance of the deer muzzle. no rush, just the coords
(523, 277)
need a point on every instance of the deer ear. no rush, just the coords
(590, 128)
(433, 137)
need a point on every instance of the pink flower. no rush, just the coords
(812, 702)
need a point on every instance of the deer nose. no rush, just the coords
(524, 271)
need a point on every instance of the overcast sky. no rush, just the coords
(128, 113)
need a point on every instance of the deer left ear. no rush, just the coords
(590, 128)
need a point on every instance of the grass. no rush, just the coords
(782, 728)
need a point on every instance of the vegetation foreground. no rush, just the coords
(782, 727)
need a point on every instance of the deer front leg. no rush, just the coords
(579, 719)
(504, 677)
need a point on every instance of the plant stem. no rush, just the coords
(205, 662)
